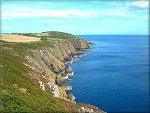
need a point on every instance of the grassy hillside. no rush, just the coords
(25, 65)
(19, 92)
(51, 34)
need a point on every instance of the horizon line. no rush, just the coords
(72, 33)
(111, 34)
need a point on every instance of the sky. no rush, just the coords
(88, 17)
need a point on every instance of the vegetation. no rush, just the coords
(50, 34)
(54, 34)
(19, 93)
(44, 38)
(23, 48)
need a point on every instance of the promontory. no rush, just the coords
(34, 67)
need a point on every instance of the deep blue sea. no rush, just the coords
(115, 76)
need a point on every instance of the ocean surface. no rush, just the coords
(115, 76)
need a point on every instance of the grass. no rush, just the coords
(19, 93)
(52, 34)
(24, 48)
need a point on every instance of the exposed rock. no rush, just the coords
(67, 87)
(61, 82)
(42, 85)
(48, 64)
(56, 91)
(71, 74)
(71, 97)
(52, 64)
(80, 44)
(87, 108)
(64, 76)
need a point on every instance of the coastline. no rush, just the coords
(47, 64)
(69, 73)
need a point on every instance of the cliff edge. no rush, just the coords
(34, 70)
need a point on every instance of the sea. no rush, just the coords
(115, 75)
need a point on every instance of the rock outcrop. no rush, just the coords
(52, 64)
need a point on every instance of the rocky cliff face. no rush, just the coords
(52, 65)
(48, 61)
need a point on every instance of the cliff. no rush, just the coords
(34, 72)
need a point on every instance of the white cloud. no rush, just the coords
(58, 22)
(16, 11)
(9, 12)
(28, 12)
(140, 4)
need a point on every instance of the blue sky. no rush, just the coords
(76, 17)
